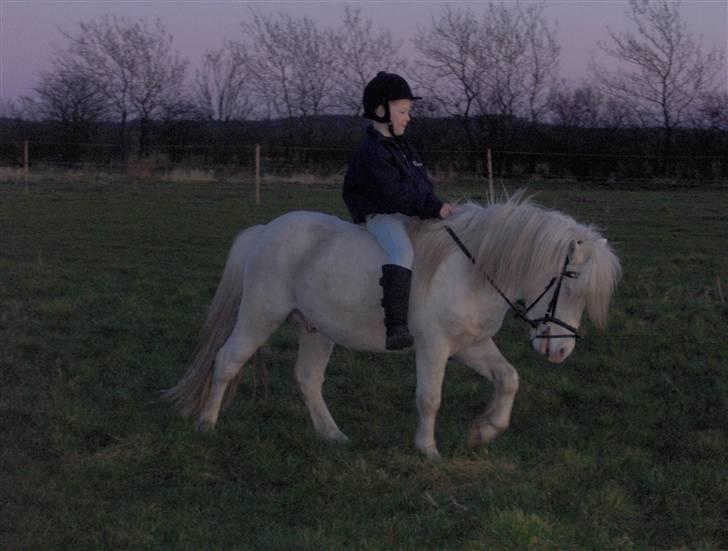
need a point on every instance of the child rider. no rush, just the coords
(385, 185)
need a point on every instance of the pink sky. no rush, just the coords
(29, 28)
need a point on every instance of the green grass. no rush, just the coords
(103, 287)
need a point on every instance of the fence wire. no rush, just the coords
(215, 159)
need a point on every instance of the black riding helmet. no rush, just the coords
(382, 89)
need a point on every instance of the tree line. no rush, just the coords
(490, 78)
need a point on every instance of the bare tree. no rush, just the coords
(292, 65)
(223, 88)
(360, 54)
(712, 111)
(579, 107)
(664, 69)
(159, 79)
(135, 66)
(524, 56)
(541, 60)
(491, 69)
(453, 70)
(65, 95)
(616, 114)
(103, 55)
(292, 59)
(9, 109)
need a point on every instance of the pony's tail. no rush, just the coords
(189, 396)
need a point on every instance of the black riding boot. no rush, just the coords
(396, 283)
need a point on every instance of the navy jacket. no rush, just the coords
(386, 176)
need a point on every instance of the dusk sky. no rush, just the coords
(29, 28)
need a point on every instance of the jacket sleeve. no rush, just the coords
(432, 206)
(398, 191)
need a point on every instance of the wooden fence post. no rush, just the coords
(257, 174)
(491, 191)
(26, 163)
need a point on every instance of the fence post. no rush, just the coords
(25, 164)
(491, 191)
(257, 174)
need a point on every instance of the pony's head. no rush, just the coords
(586, 281)
(520, 247)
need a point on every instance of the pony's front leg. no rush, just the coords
(431, 362)
(485, 358)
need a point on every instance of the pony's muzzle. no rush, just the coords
(556, 349)
(559, 354)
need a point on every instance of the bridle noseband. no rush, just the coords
(521, 310)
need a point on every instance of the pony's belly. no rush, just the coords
(364, 341)
(339, 292)
(356, 325)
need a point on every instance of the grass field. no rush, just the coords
(103, 287)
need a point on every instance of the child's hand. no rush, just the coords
(446, 210)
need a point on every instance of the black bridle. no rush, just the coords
(521, 310)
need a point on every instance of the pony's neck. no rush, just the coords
(513, 243)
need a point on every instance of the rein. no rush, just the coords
(521, 310)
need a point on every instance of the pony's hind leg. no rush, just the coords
(314, 351)
(243, 342)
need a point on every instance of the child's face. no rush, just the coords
(399, 115)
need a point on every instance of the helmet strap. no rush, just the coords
(377, 118)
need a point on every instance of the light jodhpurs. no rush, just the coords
(390, 231)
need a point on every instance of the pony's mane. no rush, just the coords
(514, 238)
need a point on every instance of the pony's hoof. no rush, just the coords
(434, 455)
(205, 425)
(482, 434)
(431, 453)
(338, 438)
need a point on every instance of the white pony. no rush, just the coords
(322, 273)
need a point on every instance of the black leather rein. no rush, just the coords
(520, 310)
